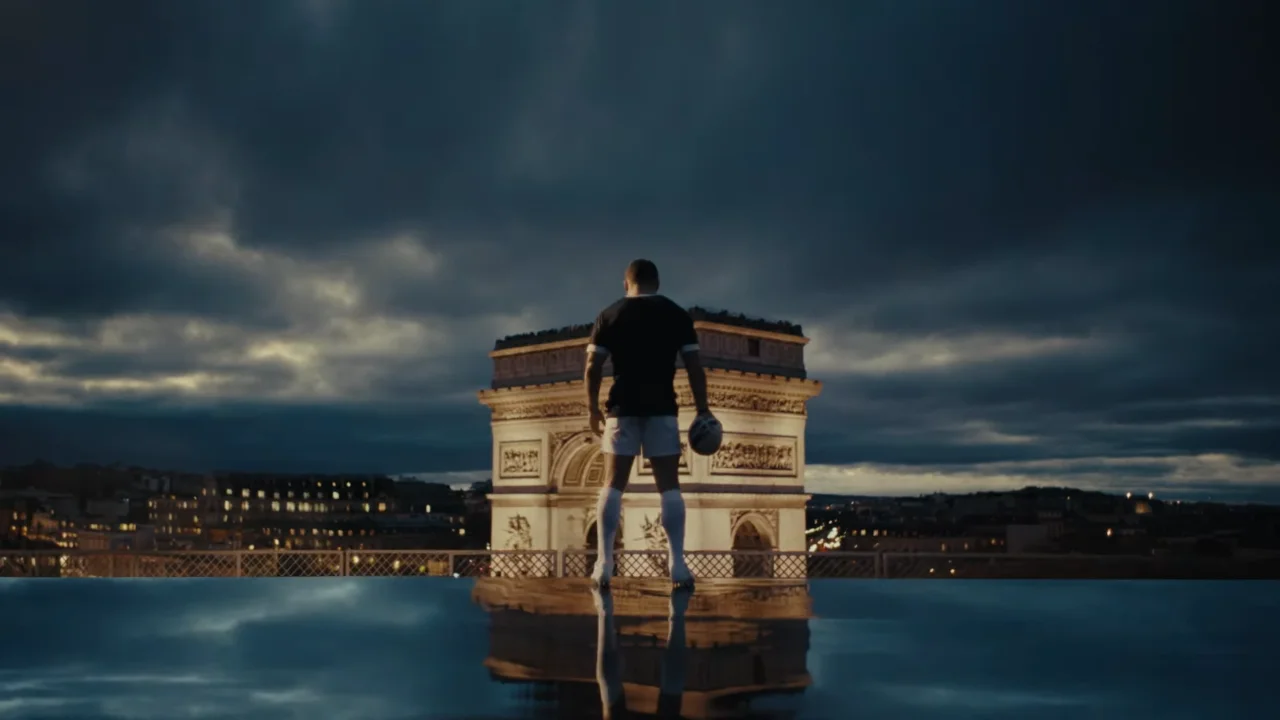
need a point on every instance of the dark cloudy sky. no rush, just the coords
(413, 649)
(1031, 241)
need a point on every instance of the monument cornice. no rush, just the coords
(750, 332)
(541, 347)
(733, 381)
(583, 339)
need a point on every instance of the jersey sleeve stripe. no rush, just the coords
(600, 350)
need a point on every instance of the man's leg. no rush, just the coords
(608, 659)
(662, 446)
(620, 444)
(671, 684)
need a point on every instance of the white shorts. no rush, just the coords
(658, 436)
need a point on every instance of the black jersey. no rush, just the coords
(643, 335)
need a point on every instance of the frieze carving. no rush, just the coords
(748, 454)
(769, 515)
(756, 402)
(646, 467)
(718, 398)
(520, 459)
(539, 411)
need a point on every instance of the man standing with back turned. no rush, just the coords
(643, 333)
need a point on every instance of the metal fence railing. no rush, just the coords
(629, 563)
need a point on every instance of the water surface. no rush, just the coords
(390, 648)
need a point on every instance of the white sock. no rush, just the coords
(673, 523)
(608, 511)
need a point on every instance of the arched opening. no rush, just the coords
(593, 539)
(593, 543)
(584, 469)
(748, 539)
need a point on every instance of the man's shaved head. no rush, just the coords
(643, 274)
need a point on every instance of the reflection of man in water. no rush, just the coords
(609, 659)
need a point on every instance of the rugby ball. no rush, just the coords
(705, 434)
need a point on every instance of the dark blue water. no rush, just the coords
(381, 648)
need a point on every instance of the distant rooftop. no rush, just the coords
(723, 317)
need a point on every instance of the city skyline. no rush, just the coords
(284, 237)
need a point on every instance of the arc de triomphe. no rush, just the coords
(547, 466)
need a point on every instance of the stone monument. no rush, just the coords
(548, 469)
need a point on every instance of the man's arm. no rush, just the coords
(697, 380)
(597, 353)
(690, 353)
(594, 375)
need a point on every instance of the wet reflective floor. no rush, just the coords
(386, 648)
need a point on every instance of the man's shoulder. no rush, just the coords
(676, 310)
(611, 310)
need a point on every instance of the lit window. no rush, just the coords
(382, 507)
(335, 494)
(290, 506)
(366, 507)
(226, 505)
(262, 494)
(244, 492)
(275, 507)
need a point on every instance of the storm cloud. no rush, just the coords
(1031, 242)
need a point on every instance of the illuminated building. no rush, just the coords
(177, 518)
(548, 469)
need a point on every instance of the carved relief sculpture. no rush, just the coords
(561, 441)
(655, 540)
(519, 533)
(755, 402)
(520, 459)
(747, 454)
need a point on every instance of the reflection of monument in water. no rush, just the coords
(547, 467)
(744, 640)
